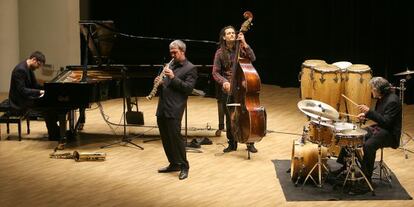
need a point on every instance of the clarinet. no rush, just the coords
(156, 84)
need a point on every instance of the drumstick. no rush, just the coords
(349, 100)
(348, 114)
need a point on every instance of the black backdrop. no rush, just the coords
(378, 33)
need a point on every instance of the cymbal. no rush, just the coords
(407, 72)
(318, 110)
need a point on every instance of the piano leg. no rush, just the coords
(62, 126)
(81, 120)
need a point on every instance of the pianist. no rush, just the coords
(25, 92)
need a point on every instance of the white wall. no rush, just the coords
(9, 41)
(50, 26)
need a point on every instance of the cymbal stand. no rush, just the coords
(319, 165)
(352, 168)
(402, 143)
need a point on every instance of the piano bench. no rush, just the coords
(9, 118)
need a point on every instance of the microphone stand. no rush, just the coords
(125, 140)
(402, 143)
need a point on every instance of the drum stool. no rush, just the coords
(384, 172)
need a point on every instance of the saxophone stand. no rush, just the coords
(125, 140)
(402, 143)
(353, 168)
(319, 165)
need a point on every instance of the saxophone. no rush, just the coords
(80, 156)
(156, 84)
(89, 156)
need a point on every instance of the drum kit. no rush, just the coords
(309, 159)
(330, 95)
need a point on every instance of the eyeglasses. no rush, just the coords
(40, 63)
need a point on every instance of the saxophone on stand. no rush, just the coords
(156, 84)
(80, 156)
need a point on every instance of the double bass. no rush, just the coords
(248, 117)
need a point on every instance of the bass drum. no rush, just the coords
(304, 157)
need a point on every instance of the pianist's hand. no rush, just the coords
(169, 73)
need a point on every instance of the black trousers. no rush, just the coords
(224, 100)
(172, 141)
(376, 138)
(51, 119)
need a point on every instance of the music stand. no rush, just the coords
(125, 140)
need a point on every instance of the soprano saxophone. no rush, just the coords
(156, 84)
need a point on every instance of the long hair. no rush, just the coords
(225, 52)
(381, 85)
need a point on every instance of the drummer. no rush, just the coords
(386, 131)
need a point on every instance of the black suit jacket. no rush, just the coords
(174, 93)
(388, 116)
(24, 88)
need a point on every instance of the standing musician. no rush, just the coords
(25, 93)
(387, 130)
(178, 83)
(222, 74)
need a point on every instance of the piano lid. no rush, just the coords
(100, 36)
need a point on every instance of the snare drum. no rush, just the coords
(357, 87)
(350, 137)
(306, 77)
(327, 84)
(338, 127)
(341, 126)
(304, 157)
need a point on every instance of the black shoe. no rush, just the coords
(169, 168)
(194, 144)
(231, 147)
(183, 174)
(251, 148)
(205, 141)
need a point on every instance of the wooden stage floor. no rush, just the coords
(28, 177)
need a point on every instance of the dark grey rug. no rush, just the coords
(330, 192)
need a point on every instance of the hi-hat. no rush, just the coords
(318, 110)
(407, 72)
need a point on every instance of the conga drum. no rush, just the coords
(343, 65)
(357, 87)
(306, 77)
(327, 84)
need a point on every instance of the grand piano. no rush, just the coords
(78, 86)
